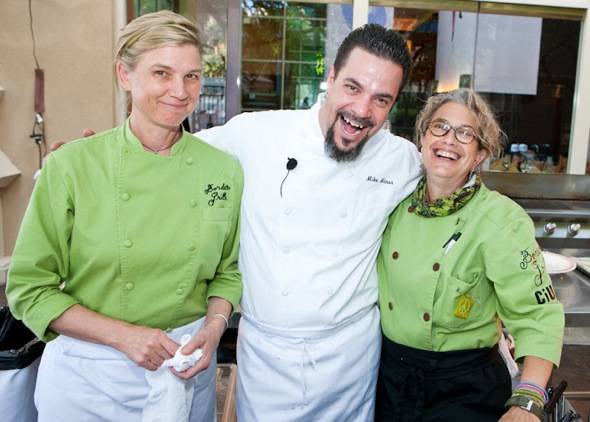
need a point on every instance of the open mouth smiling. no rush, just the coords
(446, 155)
(353, 125)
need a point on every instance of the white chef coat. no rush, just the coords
(308, 264)
(308, 257)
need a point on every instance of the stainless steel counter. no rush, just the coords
(573, 291)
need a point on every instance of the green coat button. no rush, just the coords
(193, 203)
(129, 286)
(127, 243)
(189, 161)
(125, 196)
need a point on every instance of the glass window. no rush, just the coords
(261, 83)
(283, 54)
(141, 7)
(524, 65)
(301, 85)
(211, 20)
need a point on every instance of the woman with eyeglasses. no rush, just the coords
(457, 261)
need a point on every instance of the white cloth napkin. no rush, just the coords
(170, 397)
(182, 362)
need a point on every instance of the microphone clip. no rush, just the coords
(291, 164)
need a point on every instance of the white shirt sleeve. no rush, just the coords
(226, 137)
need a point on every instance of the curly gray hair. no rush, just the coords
(489, 135)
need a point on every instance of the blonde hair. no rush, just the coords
(489, 135)
(151, 31)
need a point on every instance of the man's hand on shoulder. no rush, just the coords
(54, 146)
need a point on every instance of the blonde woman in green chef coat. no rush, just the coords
(456, 260)
(130, 244)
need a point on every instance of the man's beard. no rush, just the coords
(335, 152)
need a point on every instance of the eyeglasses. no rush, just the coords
(463, 134)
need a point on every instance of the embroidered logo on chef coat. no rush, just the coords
(533, 260)
(545, 295)
(216, 193)
(464, 305)
(383, 180)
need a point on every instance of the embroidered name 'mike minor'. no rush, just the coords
(382, 180)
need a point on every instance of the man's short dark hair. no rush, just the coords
(377, 40)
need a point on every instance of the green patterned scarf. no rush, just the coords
(444, 206)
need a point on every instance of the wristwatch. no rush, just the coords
(527, 404)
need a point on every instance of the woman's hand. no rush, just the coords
(206, 339)
(516, 414)
(147, 347)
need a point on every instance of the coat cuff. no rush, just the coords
(43, 314)
(544, 347)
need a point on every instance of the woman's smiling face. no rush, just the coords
(445, 158)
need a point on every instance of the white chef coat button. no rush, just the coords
(288, 211)
(286, 251)
(193, 203)
(125, 196)
(343, 213)
(129, 286)
(285, 293)
(127, 243)
(189, 161)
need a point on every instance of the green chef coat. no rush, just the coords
(439, 301)
(130, 234)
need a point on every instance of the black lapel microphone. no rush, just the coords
(291, 164)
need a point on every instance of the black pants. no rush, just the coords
(417, 385)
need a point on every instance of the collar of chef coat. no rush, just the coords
(132, 140)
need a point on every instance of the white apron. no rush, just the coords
(326, 376)
(16, 394)
(82, 381)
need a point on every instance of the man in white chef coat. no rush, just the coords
(319, 185)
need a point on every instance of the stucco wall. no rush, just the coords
(74, 42)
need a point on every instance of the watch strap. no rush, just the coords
(527, 404)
